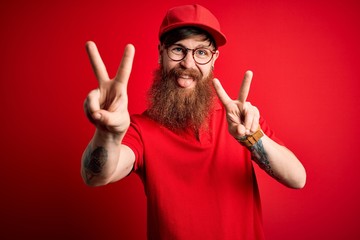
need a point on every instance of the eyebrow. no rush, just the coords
(199, 46)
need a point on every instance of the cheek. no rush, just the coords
(205, 70)
(168, 65)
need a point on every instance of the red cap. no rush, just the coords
(193, 16)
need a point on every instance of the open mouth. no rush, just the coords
(185, 81)
(186, 78)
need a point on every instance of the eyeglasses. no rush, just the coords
(201, 55)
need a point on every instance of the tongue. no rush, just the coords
(185, 82)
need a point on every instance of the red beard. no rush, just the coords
(177, 108)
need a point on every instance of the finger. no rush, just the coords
(251, 121)
(256, 121)
(245, 86)
(248, 117)
(240, 130)
(125, 66)
(93, 105)
(97, 64)
(223, 96)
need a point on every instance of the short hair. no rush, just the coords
(177, 34)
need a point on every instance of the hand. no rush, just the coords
(242, 117)
(107, 106)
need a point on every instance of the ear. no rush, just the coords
(160, 48)
(216, 55)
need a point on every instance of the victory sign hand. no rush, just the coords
(242, 117)
(107, 106)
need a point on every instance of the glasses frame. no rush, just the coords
(193, 53)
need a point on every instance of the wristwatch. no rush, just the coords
(249, 140)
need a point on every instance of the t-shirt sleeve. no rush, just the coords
(133, 140)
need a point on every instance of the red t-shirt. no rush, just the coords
(196, 188)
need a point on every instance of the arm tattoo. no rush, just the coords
(95, 161)
(259, 155)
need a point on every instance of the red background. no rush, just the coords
(305, 59)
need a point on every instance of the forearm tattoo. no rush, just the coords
(259, 155)
(95, 162)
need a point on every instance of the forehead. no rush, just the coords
(194, 41)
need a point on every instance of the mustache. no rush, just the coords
(177, 72)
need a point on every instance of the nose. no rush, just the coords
(188, 61)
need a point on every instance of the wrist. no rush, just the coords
(251, 139)
(106, 136)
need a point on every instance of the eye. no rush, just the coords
(177, 50)
(202, 52)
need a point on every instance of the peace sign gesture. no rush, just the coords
(107, 106)
(242, 117)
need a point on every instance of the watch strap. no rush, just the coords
(249, 140)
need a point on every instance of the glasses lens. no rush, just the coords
(176, 53)
(202, 55)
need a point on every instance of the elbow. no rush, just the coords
(299, 182)
(297, 176)
(296, 184)
(302, 183)
(91, 183)
(92, 180)
(301, 179)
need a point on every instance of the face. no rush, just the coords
(186, 81)
(181, 96)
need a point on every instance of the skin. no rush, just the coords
(278, 161)
(188, 62)
(106, 160)
(107, 108)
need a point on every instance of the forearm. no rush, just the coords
(279, 162)
(100, 158)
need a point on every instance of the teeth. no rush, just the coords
(185, 76)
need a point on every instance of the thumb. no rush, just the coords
(102, 117)
(97, 115)
(107, 118)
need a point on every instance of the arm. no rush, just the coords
(279, 162)
(243, 120)
(105, 160)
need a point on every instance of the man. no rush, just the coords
(193, 146)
